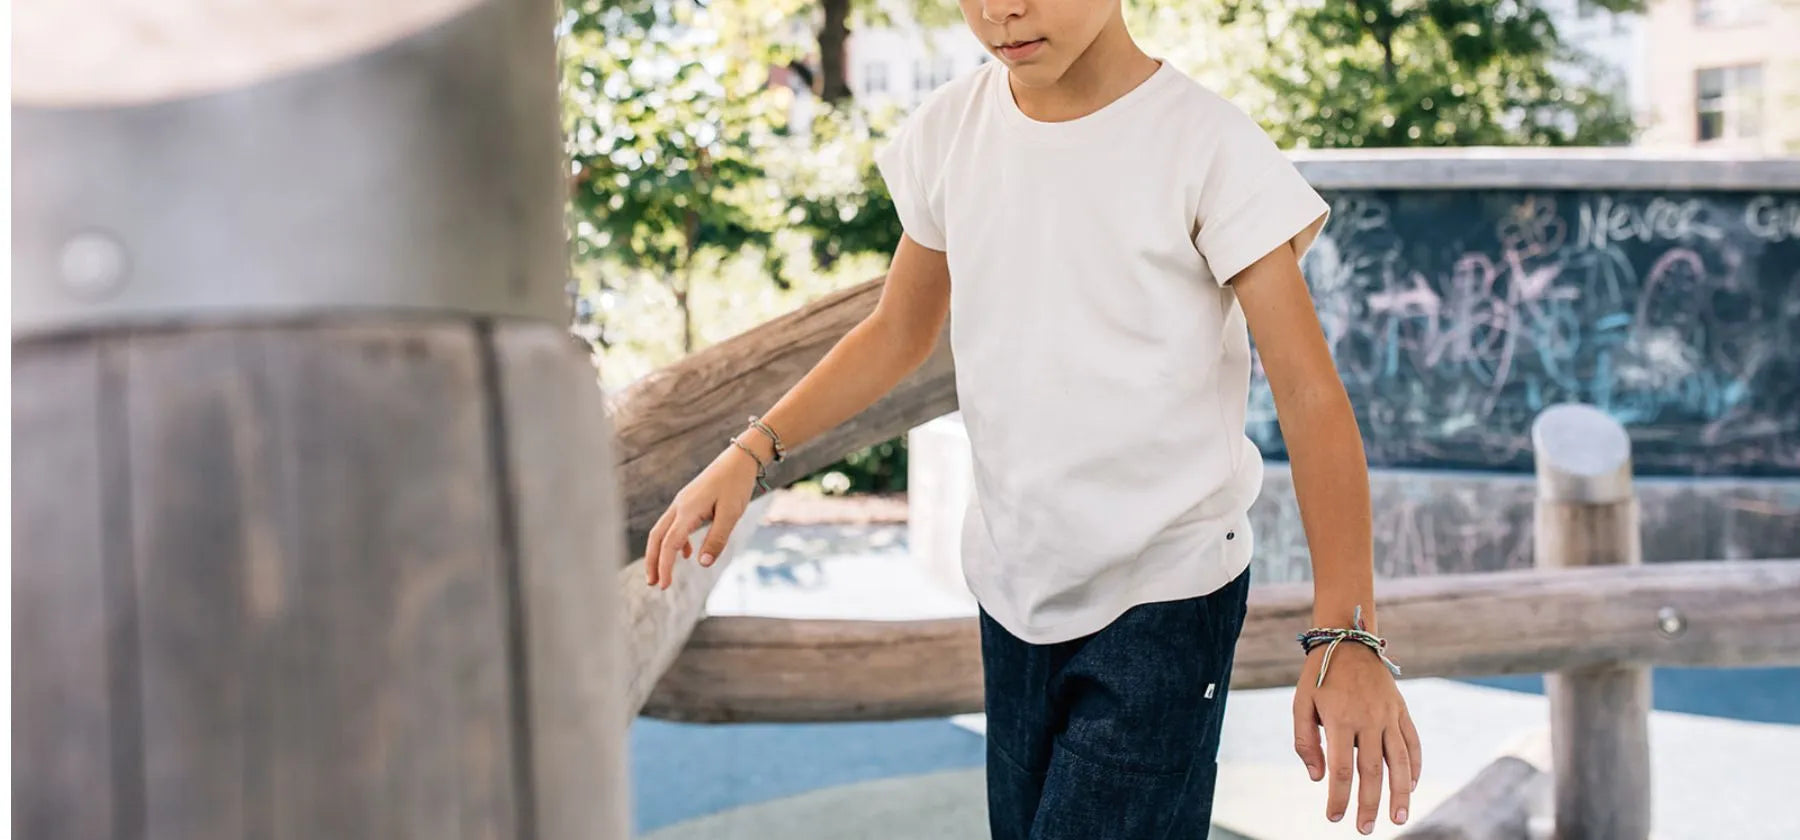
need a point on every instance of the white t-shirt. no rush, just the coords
(1102, 361)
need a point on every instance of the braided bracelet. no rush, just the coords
(774, 439)
(1331, 636)
(761, 468)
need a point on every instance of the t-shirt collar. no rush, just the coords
(1081, 127)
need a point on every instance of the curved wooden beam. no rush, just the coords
(1730, 614)
(772, 669)
(1500, 802)
(657, 621)
(673, 422)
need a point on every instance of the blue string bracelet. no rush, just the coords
(1331, 636)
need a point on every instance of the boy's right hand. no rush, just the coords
(719, 494)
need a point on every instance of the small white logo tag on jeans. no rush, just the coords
(1209, 690)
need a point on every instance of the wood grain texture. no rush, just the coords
(75, 742)
(323, 627)
(657, 621)
(673, 422)
(1495, 805)
(1738, 613)
(1600, 736)
(118, 51)
(861, 670)
(555, 450)
(1587, 519)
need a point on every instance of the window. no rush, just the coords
(1728, 12)
(922, 77)
(875, 77)
(1728, 102)
(1586, 9)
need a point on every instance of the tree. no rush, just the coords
(681, 149)
(834, 31)
(1352, 73)
(666, 110)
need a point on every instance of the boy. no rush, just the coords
(1108, 233)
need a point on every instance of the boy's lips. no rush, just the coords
(1020, 50)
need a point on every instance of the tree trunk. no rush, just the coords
(684, 283)
(836, 29)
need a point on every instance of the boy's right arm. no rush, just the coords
(873, 357)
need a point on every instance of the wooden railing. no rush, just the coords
(1590, 615)
(315, 531)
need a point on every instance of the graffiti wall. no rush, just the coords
(1455, 316)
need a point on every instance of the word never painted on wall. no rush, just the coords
(1456, 316)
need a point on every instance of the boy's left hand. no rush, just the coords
(1366, 723)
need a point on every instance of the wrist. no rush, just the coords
(1344, 616)
(757, 444)
(762, 437)
(750, 461)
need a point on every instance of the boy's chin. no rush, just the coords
(1036, 74)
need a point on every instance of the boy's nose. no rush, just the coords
(1001, 11)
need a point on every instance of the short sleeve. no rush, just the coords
(1253, 199)
(909, 168)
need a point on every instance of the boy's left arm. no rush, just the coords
(1360, 702)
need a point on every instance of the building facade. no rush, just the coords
(1724, 74)
(1707, 74)
(899, 65)
(1615, 44)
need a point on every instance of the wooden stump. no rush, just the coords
(328, 581)
(1600, 713)
(314, 500)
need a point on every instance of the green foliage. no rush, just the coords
(683, 163)
(685, 168)
(876, 469)
(663, 135)
(835, 195)
(1352, 73)
(666, 112)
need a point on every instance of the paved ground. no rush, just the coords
(1713, 777)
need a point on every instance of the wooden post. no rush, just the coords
(1600, 713)
(315, 519)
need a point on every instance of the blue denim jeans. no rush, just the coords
(1114, 735)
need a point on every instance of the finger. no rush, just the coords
(653, 545)
(1399, 767)
(1368, 771)
(1411, 734)
(687, 545)
(1340, 752)
(718, 535)
(671, 548)
(1306, 735)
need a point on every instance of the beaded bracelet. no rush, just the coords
(761, 468)
(1330, 636)
(774, 439)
